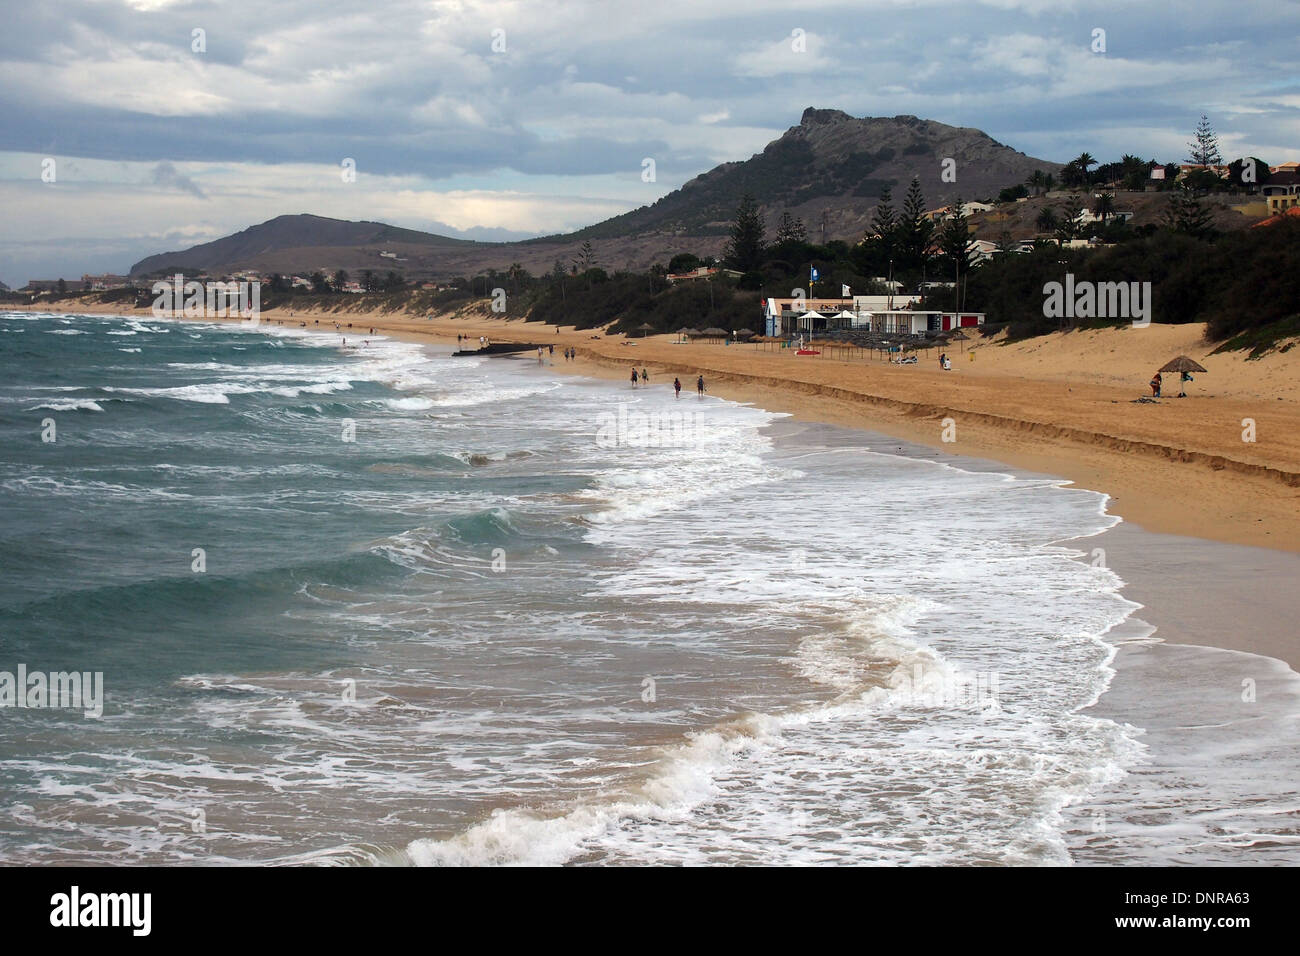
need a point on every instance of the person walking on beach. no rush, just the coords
(699, 386)
(645, 377)
(677, 388)
(634, 376)
(1156, 381)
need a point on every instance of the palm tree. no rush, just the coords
(1104, 206)
(1035, 181)
(1046, 221)
(1049, 181)
(1083, 162)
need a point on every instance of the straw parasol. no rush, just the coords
(957, 335)
(1186, 366)
(745, 333)
(714, 332)
(645, 328)
(1183, 364)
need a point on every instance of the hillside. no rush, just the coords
(831, 164)
(837, 164)
(299, 242)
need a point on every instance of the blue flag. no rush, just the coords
(813, 274)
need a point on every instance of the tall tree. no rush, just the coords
(1188, 215)
(340, 280)
(954, 240)
(884, 222)
(1046, 221)
(790, 229)
(745, 250)
(586, 256)
(1067, 224)
(1103, 206)
(914, 229)
(1205, 148)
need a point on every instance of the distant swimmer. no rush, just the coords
(699, 386)
(677, 388)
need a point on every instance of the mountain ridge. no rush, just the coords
(830, 170)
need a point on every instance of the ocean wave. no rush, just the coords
(71, 405)
(409, 404)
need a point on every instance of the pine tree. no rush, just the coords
(745, 250)
(1205, 150)
(914, 229)
(1188, 215)
(790, 229)
(884, 221)
(954, 240)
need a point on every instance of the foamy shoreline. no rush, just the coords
(1179, 693)
(1188, 608)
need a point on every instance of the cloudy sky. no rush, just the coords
(171, 122)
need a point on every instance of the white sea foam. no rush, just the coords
(72, 405)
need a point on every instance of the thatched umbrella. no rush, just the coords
(1183, 364)
(714, 332)
(745, 333)
(644, 328)
(1185, 367)
(688, 332)
(957, 335)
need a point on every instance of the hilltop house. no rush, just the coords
(703, 272)
(104, 283)
(967, 209)
(1087, 216)
(1282, 188)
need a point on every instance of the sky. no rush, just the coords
(131, 127)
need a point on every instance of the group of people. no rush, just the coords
(1158, 381)
(944, 362)
(570, 355)
(643, 377)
